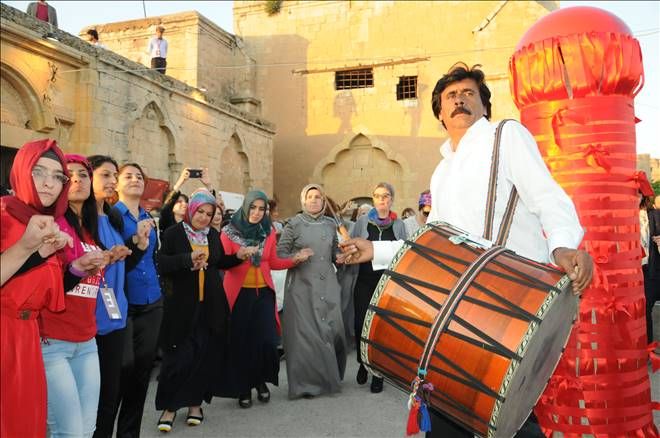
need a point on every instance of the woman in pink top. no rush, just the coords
(253, 358)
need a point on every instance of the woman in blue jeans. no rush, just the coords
(68, 345)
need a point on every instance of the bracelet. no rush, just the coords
(76, 272)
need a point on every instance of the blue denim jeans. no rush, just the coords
(72, 375)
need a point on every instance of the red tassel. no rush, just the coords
(413, 424)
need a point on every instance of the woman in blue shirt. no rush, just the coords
(111, 307)
(145, 305)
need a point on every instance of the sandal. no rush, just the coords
(165, 425)
(245, 400)
(263, 394)
(195, 420)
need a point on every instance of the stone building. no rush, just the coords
(650, 165)
(96, 101)
(349, 83)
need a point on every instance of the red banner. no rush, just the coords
(154, 192)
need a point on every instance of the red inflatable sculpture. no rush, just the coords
(573, 76)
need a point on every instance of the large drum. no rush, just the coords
(486, 326)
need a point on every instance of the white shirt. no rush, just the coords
(157, 47)
(545, 217)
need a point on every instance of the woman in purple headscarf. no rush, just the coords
(195, 311)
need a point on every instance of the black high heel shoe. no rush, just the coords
(245, 400)
(165, 425)
(263, 394)
(195, 420)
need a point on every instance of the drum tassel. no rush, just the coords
(418, 415)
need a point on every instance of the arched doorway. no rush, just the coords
(234, 167)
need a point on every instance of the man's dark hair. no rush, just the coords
(93, 33)
(458, 72)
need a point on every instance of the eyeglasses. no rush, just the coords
(39, 175)
(426, 213)
(382, 197)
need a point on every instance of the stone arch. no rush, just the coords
(21, 105)
(151, 143)
(235, 167)
(363, 160)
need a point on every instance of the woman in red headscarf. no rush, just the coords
(39, 180)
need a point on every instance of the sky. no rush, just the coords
(642, 17)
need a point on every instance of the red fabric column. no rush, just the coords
(573, 77)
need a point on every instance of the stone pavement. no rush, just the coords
(355, 412)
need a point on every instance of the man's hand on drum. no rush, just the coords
(355, 250)
(577, 264)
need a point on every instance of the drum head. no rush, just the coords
(541, 351)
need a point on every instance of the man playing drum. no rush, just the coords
(545, 226)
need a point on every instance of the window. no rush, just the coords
(406, 88)
(347, 79)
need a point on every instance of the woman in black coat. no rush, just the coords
(194, 327)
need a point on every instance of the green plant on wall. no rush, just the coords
(656, 187)
(273, 6)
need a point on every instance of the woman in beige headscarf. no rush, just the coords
(312, 327)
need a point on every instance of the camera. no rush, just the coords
(195, 173)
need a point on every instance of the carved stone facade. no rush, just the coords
(350, 139)
(94, 101)
(650, 165)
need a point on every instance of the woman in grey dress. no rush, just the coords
(312, 326)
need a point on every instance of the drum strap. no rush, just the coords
(507, 219)
(445, 315)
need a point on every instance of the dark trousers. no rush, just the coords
(443, 427)
(364, 290)
(111, 352)
(652, 294)
(141, 342)
(159, 64)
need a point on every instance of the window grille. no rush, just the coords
(406, 88)
(348, 79)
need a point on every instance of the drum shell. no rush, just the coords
(482, 380)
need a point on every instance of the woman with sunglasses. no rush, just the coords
(415, 222)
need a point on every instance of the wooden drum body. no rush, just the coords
(493, 359)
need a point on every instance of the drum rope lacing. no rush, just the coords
(418, 401)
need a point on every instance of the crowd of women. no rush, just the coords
(91, 291)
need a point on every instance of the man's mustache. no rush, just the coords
(461, 110)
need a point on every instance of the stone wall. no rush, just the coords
(95, 101)
(650, 165)
(350, 139)
(200, 53)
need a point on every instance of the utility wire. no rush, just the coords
(356, 61)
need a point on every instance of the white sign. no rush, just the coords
(233, 201)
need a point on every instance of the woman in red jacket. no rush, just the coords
(39, 179)
(253, 358)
